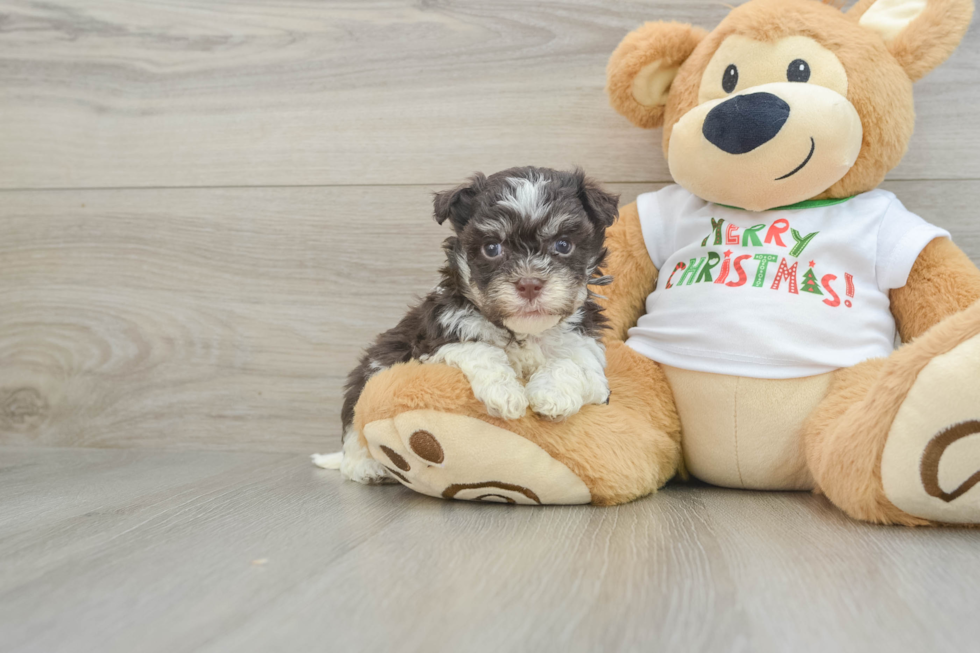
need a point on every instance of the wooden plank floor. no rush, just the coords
(147, 550)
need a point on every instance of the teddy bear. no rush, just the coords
(756, 303)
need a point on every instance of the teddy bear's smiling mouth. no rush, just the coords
(813, 148)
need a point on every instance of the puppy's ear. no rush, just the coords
(457, 205)
(601, 207)
(643, 67)
(920, 34)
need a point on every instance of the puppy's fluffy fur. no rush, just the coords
(520, 225)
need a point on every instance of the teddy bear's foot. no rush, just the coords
(453, 456)
(930, 466)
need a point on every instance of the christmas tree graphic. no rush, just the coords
(810, 282)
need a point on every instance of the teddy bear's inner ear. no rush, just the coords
(644, 65)
(920, 34)
(890, 17)
(652, 84)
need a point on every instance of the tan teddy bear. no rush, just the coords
(762, 355)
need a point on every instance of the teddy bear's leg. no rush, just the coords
(897, 440)
(424, 424)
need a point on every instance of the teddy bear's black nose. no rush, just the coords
(745, 122)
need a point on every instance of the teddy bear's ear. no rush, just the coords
(920, 34)
(643, 67)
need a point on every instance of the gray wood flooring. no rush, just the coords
(207, 208)
(146, 550)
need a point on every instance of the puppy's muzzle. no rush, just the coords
(529, 288)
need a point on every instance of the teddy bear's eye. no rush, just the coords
(798, 71)
(730, 80)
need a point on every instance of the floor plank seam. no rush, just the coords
(65, 189)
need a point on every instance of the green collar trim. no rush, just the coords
(805, 204)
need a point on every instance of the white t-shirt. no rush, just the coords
(778, 294)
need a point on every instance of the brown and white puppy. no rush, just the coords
(513, 310)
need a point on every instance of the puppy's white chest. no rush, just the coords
(526, 357)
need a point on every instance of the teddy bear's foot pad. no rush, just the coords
(459, 457)
(930, 466)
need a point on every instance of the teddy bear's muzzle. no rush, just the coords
(768, 146)
(745, 122)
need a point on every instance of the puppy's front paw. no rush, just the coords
(559, 395)
(553, 404)
(555, 396)
(504, 400)
(597, 390)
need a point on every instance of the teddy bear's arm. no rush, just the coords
(634, 274)
(942, 282)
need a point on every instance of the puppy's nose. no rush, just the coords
(529, 288)
(745, 122)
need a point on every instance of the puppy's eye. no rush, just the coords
(563, 247)
(493, 250)
(798, 71)
(730, 80)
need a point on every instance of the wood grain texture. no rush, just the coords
(227, 318)
(126, 309)
(113, 93)
(155, 551)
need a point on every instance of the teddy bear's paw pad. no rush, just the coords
(459, 457)
(930, 466)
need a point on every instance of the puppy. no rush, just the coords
(513, 306)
